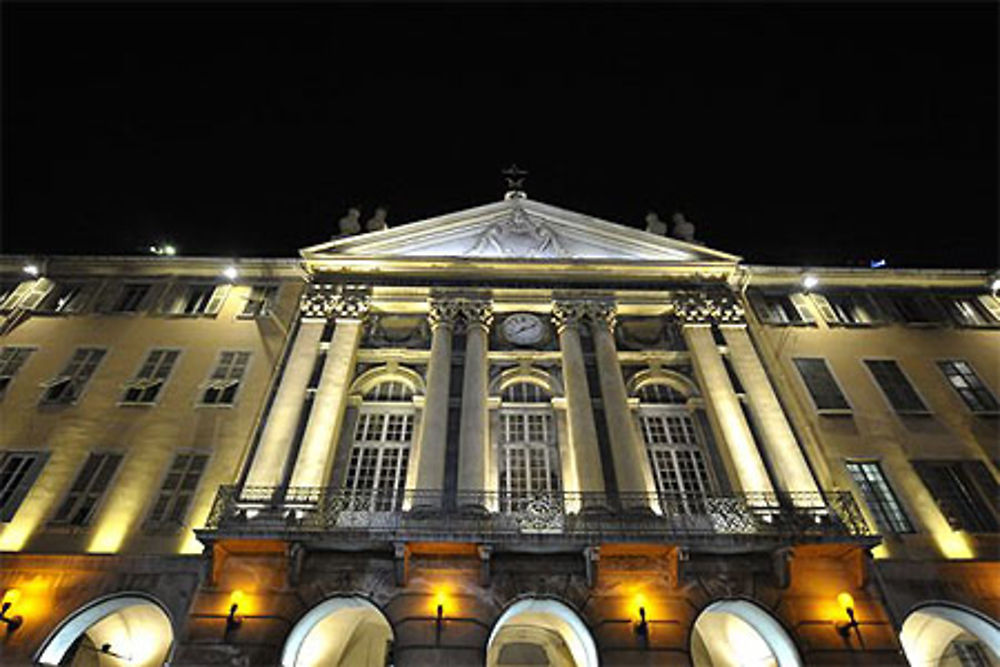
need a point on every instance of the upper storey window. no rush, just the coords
(69, 297)
(27, 295)
(380, 454)
(848, 308)
(981, 310)
(260, 301)
(85, 495)
(878, 495)
(897, 389)
(916, 308)
(224, 384)
(781, 308)
(11, 360)
(964, 380)
(528, 446)
(194, 299)
(822, 386)
(145, 386)
(67, 386)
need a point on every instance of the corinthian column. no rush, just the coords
(326, 417)
(632, 472)
(428, 454)
(579, 412)
(743, 460)
(789, 464)
(473, 448)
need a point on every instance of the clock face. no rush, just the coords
(523, 329)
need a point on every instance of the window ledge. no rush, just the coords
(835, 412)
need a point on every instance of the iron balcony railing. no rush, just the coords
(413, 515)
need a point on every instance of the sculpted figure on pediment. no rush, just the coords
(518, 236)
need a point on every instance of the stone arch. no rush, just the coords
(530, 374)
(678, 381)
(733, 632)
(532, 627)
(389, 373)
(133, 625)
(931, 628)
(342, 631)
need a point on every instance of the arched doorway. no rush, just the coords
(739, 633)
(540, 633)
(129, 628)
(942, 635)
(339, 632)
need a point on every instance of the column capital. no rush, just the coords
(573, 313)
(476, 313)
(707, 308)
(442, 313)
(335, 301)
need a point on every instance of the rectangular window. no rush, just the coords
(847, 308)
(70, 297)
(968, 385)
(195, 299)
(965, 491)
(973, 310)
(260, 301)
(131, 297)
(225, 380)
(376, 473)
(28, 295)
(774, 308)
(18, 471)
(822, 386)
(146, 385)
(67, 386)
(897, 389)
(882, 502)
(11, 360)
(91, 483)
(917, 308)
(177, 490)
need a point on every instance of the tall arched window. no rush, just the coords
(528, 447)
(376, 473)
(675, 454)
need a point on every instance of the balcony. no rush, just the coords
(335, 517)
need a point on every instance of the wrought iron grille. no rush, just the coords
(482, 515)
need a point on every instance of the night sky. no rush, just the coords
(796, 134)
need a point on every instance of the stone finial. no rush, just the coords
(351, 222)
(654, 225)
(683, 229)
(378, 220)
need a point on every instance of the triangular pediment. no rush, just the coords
(517, 229)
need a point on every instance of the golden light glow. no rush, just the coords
(880, 552)
(953, 544)
(237, 598)
(109, 536)
(846, 602)
(442, 598)
(12, 596)
(639, 602)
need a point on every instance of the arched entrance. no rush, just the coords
(739, 633)
(540, 633)
(130, 628)
(339, 632)
(942, 635)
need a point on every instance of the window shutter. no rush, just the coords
(218, 298)
(14, 298)
(172, 300)
(39, 290)
(992, 305)
(760, 306)
(801, 304)
(824, 308)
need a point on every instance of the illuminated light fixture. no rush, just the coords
(642, 627)
(439, 601)
(995, 285)
(232, 620)
(846, 602)
(230, 273)
(31, 269)
(877, 264)
(169, 250)
(10, 598)
(810, 281)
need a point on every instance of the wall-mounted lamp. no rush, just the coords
(809, 281)
(642, 627)
(846, 603)
(995, 285)
(10, 599)
(230, 273)
(233, 621)
(31, 269)
(439, 601)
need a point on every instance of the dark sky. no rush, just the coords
(790, 134)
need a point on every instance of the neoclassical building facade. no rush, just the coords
(511, 435)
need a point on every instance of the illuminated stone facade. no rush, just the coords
(512, 435)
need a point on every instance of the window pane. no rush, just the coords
(895, 386)
(885, 509)
(821, 385)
